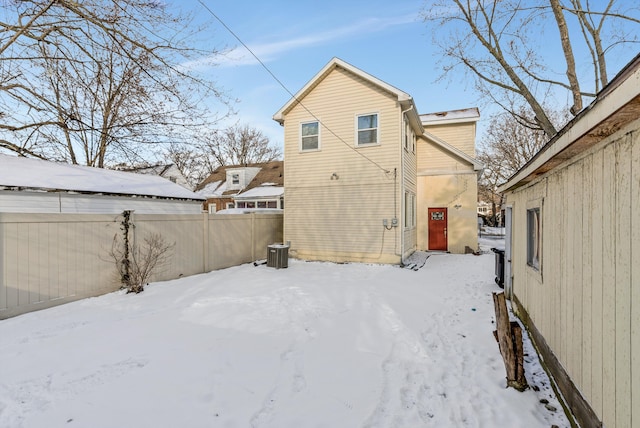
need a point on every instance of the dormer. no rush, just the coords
(239, 178)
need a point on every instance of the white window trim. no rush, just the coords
(535, 270)
(300, 149)
(377, 143)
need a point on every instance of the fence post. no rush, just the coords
(205, 242)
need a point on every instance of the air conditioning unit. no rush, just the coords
(278, 256)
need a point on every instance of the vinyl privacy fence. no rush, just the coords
(50, 259)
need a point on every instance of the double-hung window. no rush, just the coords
(309, 136)
(367, 129)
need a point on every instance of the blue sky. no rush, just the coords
(295, 39)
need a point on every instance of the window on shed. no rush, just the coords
(309, 136)
(534, 238)
(367, 129)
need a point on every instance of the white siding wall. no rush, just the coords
(61, 202)
(586, 300)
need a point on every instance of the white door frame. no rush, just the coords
(508, 226)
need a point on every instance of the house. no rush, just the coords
(359, 178)
(38, 186)
(257, 185)
(169, 171)
(573, 250)
(448, 181)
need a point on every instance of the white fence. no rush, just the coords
(50, 259)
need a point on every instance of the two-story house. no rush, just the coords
(352, 146)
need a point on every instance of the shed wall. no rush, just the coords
(585, 299)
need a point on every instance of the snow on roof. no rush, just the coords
(463, 115)
(40, 174)
(262, 192)
(213, 189)
(250, 210)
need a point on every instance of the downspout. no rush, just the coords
(403, 130)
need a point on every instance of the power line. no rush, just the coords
(386, 171)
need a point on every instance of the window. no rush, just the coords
(367, 129)
(230, 205)
(262, 204)
(409, 210)
(235, 178)
(309, 136)
(272, 204)
(534, 239)
(242, 205)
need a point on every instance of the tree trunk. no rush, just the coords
(568, 56)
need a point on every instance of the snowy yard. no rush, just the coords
(314, 345)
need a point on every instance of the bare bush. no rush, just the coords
(137, 263)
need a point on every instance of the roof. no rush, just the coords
(615, 106)
(405, 100)
(35, 174)
(477, 165)
(264, 191)
(215, 185)
(471, 114)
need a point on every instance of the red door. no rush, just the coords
(438, 229)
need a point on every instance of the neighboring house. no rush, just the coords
(357, 188)
(573, 243)
(484, 209)
(38, 186)
(256, 185)
(168, 171)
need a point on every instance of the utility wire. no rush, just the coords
(386, 171)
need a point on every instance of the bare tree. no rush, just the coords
(499, 44)
(235, 145)
(93, 82)
(508, 144)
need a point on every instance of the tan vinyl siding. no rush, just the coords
(459, 135)
(585, 301)
(409, 161)
(335, 217)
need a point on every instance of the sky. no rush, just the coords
(296, 39)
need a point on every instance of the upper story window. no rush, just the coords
(309, 136)
(235, 178)
(367, 129)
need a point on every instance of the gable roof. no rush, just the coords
(215, 185)
(477, 165)
(402, 97)
(35, 174)
(615, 106)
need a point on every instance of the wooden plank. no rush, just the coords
(504, 335)
(596, 284)
(576, 285)
(587, 231)
(635, 278)
(609, 288)
(623, 283)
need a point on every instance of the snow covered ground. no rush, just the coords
(314, 345)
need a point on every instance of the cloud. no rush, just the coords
(270, 51)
